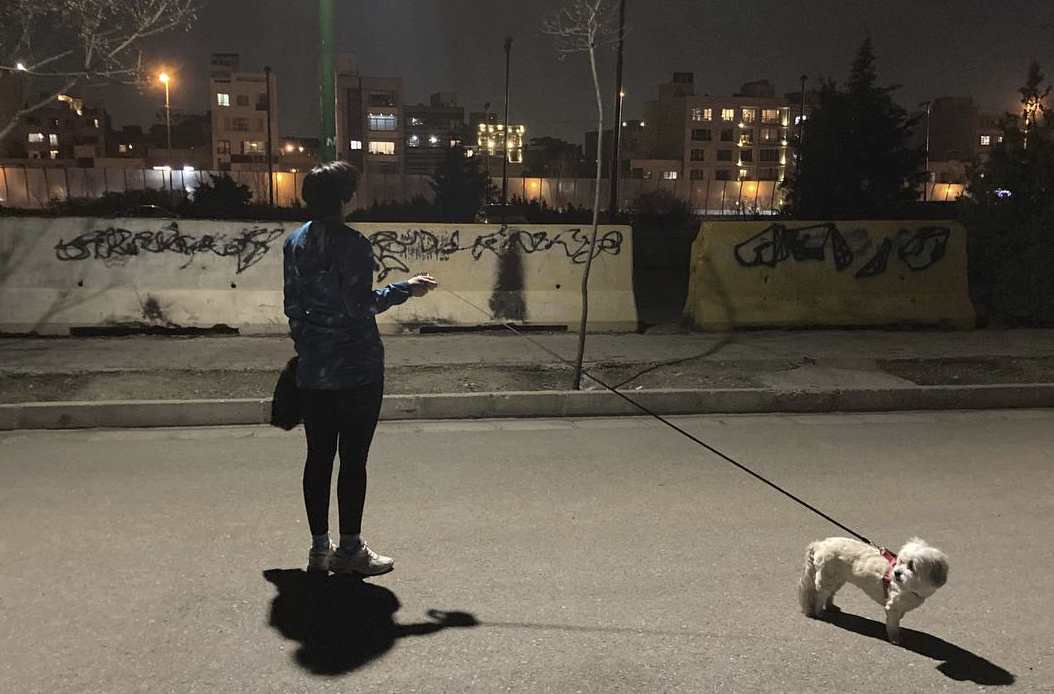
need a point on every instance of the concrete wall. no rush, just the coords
(57, 273)
(793, 273)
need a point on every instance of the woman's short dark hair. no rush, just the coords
(327, 187)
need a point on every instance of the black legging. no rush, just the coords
(341, 420)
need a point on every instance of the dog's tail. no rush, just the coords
(807, 584)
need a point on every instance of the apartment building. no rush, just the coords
(243, 104)
(431, 130)
(370, 131)
(743, 137)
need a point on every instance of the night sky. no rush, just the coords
(931, 47)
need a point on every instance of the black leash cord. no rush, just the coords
(675, 427)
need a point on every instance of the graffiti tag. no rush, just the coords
(247, 247)
(778, 243)
(391, 249)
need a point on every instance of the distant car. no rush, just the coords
(491, 214)
(146, 211)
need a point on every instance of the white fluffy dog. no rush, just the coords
(899, 583)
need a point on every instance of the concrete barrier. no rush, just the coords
(59, 273)
(792, 273)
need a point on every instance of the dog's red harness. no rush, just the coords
(887, 577)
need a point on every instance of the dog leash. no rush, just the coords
(675, 427)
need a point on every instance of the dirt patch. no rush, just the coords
(972, 371)
(190, 385)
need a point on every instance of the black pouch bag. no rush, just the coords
(285, 405)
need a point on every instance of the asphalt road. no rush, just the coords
(604, 555)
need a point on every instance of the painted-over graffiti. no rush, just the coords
(393, 249)
(248, 247)
(777, 243)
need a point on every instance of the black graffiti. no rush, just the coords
(925, 248)
(877, 264)
(777, 243)
(247, 247)
(392, 249)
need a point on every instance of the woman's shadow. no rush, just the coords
(958, 663)
(343, 622)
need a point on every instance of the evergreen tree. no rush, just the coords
(855, 160)
(460, 186)
(1010, 215)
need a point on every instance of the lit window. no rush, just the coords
(708, 114)
(96, 122)
(749, 115)
(770, 115)
(356, 144)
(223, 99)
(36, 138)
(986, 140)
(253, 147)
(381, 147)
(382, 121)
(54, 154)
(53, 139)
(769, 134)
(697, 114)
(223, 147)
(743, 173)
(669, 175)
(746, 138)
(728, 114)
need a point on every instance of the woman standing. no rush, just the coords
(331, 305)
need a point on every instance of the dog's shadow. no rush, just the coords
(343, 622)
(958, 663)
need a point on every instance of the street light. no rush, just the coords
(168, 113)
(926, 188)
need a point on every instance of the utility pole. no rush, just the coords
(505, 158)
(616, 134)
(270, 156)
(486, 140)
(327, 98)
(926, 189)
(801, 125)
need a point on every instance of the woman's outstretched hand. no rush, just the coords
(422, 284)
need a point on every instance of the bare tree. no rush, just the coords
(583, 26)
(59, 45)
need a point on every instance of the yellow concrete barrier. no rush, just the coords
(800, 273)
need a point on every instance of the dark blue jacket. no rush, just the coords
(331, 305)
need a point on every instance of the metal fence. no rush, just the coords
(30, 187)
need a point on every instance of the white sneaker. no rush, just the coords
(362, 562)
(318, 559)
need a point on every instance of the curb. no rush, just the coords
(597, 403)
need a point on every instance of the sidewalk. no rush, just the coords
(495, 374)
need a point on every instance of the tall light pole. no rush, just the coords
(270, 157)
(505, 158)
(617, 130)
(486, 140)
(926, 188)
(168, 114)
(801, 125)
